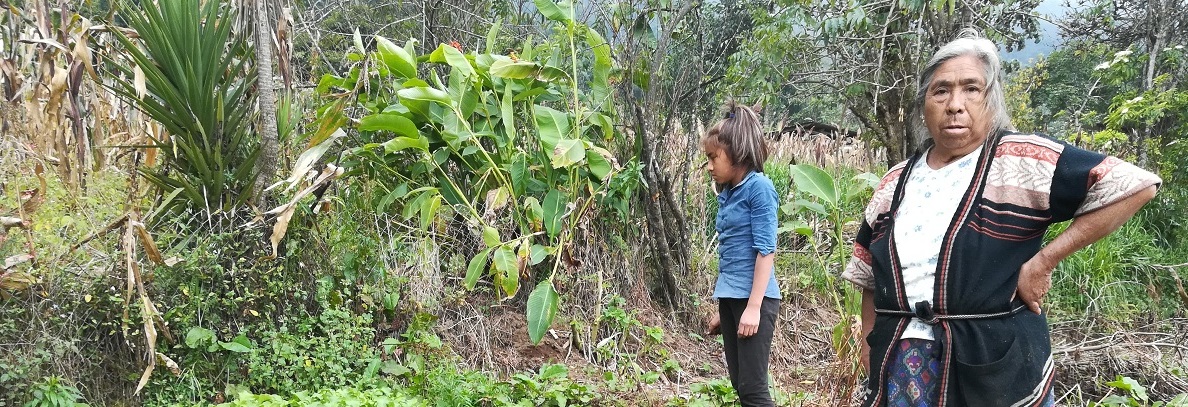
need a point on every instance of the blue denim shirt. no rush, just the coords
(746, 227)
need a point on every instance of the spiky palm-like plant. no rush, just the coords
(196, 83)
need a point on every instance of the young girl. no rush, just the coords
(748, 298)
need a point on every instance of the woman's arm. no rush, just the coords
(1035, 277)
(868, 318)
(749, 323)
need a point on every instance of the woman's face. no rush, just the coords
(720, 168)
(955, 106)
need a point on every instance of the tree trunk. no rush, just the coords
(266, 86)
(1157, 43)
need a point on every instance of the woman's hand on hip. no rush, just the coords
(748, 325)
(1035, 279)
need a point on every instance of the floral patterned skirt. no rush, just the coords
(913, 379)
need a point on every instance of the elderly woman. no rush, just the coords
(951, 310)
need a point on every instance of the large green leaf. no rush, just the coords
(600, 90)
(404, 143)
(534, 212)
(505, 265)
(542, 308)
(425, 93)
(392, 122)
(568, 153)
(604, 123)
(397, 59)
(429, 209)
(198, 337)
(599, 161)
(561, 11)
(554, 209)
(475, 268)
(552, 124)
(537, 254)
(815, 182)
(457, 59)
(507, 112)
(506, 68)
(519, 174)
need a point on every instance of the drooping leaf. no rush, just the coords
(554, 210)
(538, 254)
(535, 212)
(457, 59)
(812, 206)
(560, 11)
(198, 337)
(234, 347)
(542, 308)
(797, 226)
(870, 181)
(475, 268)
(429, 210)
(506, 266)
(507, 113)
(604, 123)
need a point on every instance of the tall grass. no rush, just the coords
(1114, 278)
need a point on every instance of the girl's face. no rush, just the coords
(720, 167)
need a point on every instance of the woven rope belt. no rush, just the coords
(924, 313)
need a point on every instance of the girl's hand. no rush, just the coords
(748, 325)
(715, 325)
(864, 356)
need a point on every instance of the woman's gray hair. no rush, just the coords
(968, 42)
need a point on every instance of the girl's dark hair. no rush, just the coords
(740, 134)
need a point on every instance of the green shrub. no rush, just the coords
(51, 392)
(1135, 394)
(331, 350)
(378, 397)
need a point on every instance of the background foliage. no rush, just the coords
(499, 202)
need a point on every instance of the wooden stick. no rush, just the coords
(113, 226)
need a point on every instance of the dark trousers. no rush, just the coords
(747, 358)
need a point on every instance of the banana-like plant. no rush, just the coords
(192, 75)
(510, 143)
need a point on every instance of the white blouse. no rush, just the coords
(929, 202)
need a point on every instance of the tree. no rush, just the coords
(870, 52)
(1151, 25)
(674, 55)
(266, 88)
